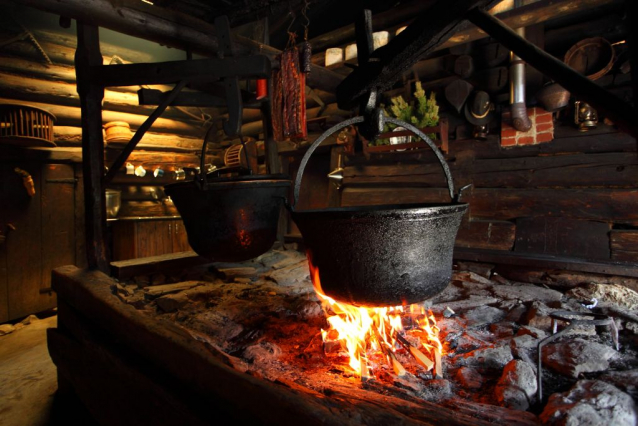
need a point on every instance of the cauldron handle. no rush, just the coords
(355, 120)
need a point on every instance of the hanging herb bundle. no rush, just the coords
(422, 112)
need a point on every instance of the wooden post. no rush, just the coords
(91, 95)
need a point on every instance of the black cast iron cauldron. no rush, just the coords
(384, 255)
(230, 219)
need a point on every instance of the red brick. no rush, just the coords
(544, 137)
(544, 127)
(508, 133)
(506, 126)
(526, 140)
(544, 118)
(508, 141)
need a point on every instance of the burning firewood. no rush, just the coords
(416, 353)
(392, 359)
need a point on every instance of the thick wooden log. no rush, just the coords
(72, 136)
(562, 236)
(88, 55)
(61, 93)
(200, 70)
(531, 14)
(624, 245)
(428, 30)
(167, 27)
(124, 269)
(547, 262)
(613, 205)
(71, 116)
(486, 234)
(166, 160)
(256, 127)
(614, 170)
(613, 107)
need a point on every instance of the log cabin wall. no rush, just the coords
(575, 196)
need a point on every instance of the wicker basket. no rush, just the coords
(25, 125)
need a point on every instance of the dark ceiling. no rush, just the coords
(323, 15)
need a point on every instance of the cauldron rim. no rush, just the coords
(389, 209)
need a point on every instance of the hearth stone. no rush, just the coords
(483, 315)
(590, 402)
(469, 378)
(517, 386)
(573, 357)
(496, 357)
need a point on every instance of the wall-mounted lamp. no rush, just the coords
(130, 169)
(158, 172)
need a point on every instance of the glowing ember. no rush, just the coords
(366, 332)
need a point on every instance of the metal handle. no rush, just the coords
(355, 120)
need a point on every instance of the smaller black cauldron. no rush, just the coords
(230, 219)
(380, 255)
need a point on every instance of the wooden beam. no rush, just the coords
(255, 66)
(125, 269)
(615, 108)
(167, 27)
(88, 55)
(531, 14)
(546, 262)
(388, 63)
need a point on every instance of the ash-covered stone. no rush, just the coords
(291, 275)
(496, 357)
(627, 381)
(436, 390)
(573, 357)
(526, 293)
(609, 293)
(172, 302)
(450, 293)
(502, 329)
(482, 269)
(464, 305)
(262, 352)
(472, 277)
(469, 378)
(537, 316)
(536, 333)
(517, 386)
(309, 309)
(515, 313)
(483, 315)
(590, 402)
(525, 348)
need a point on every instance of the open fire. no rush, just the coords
(372, 335)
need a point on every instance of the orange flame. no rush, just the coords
(362, 331)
